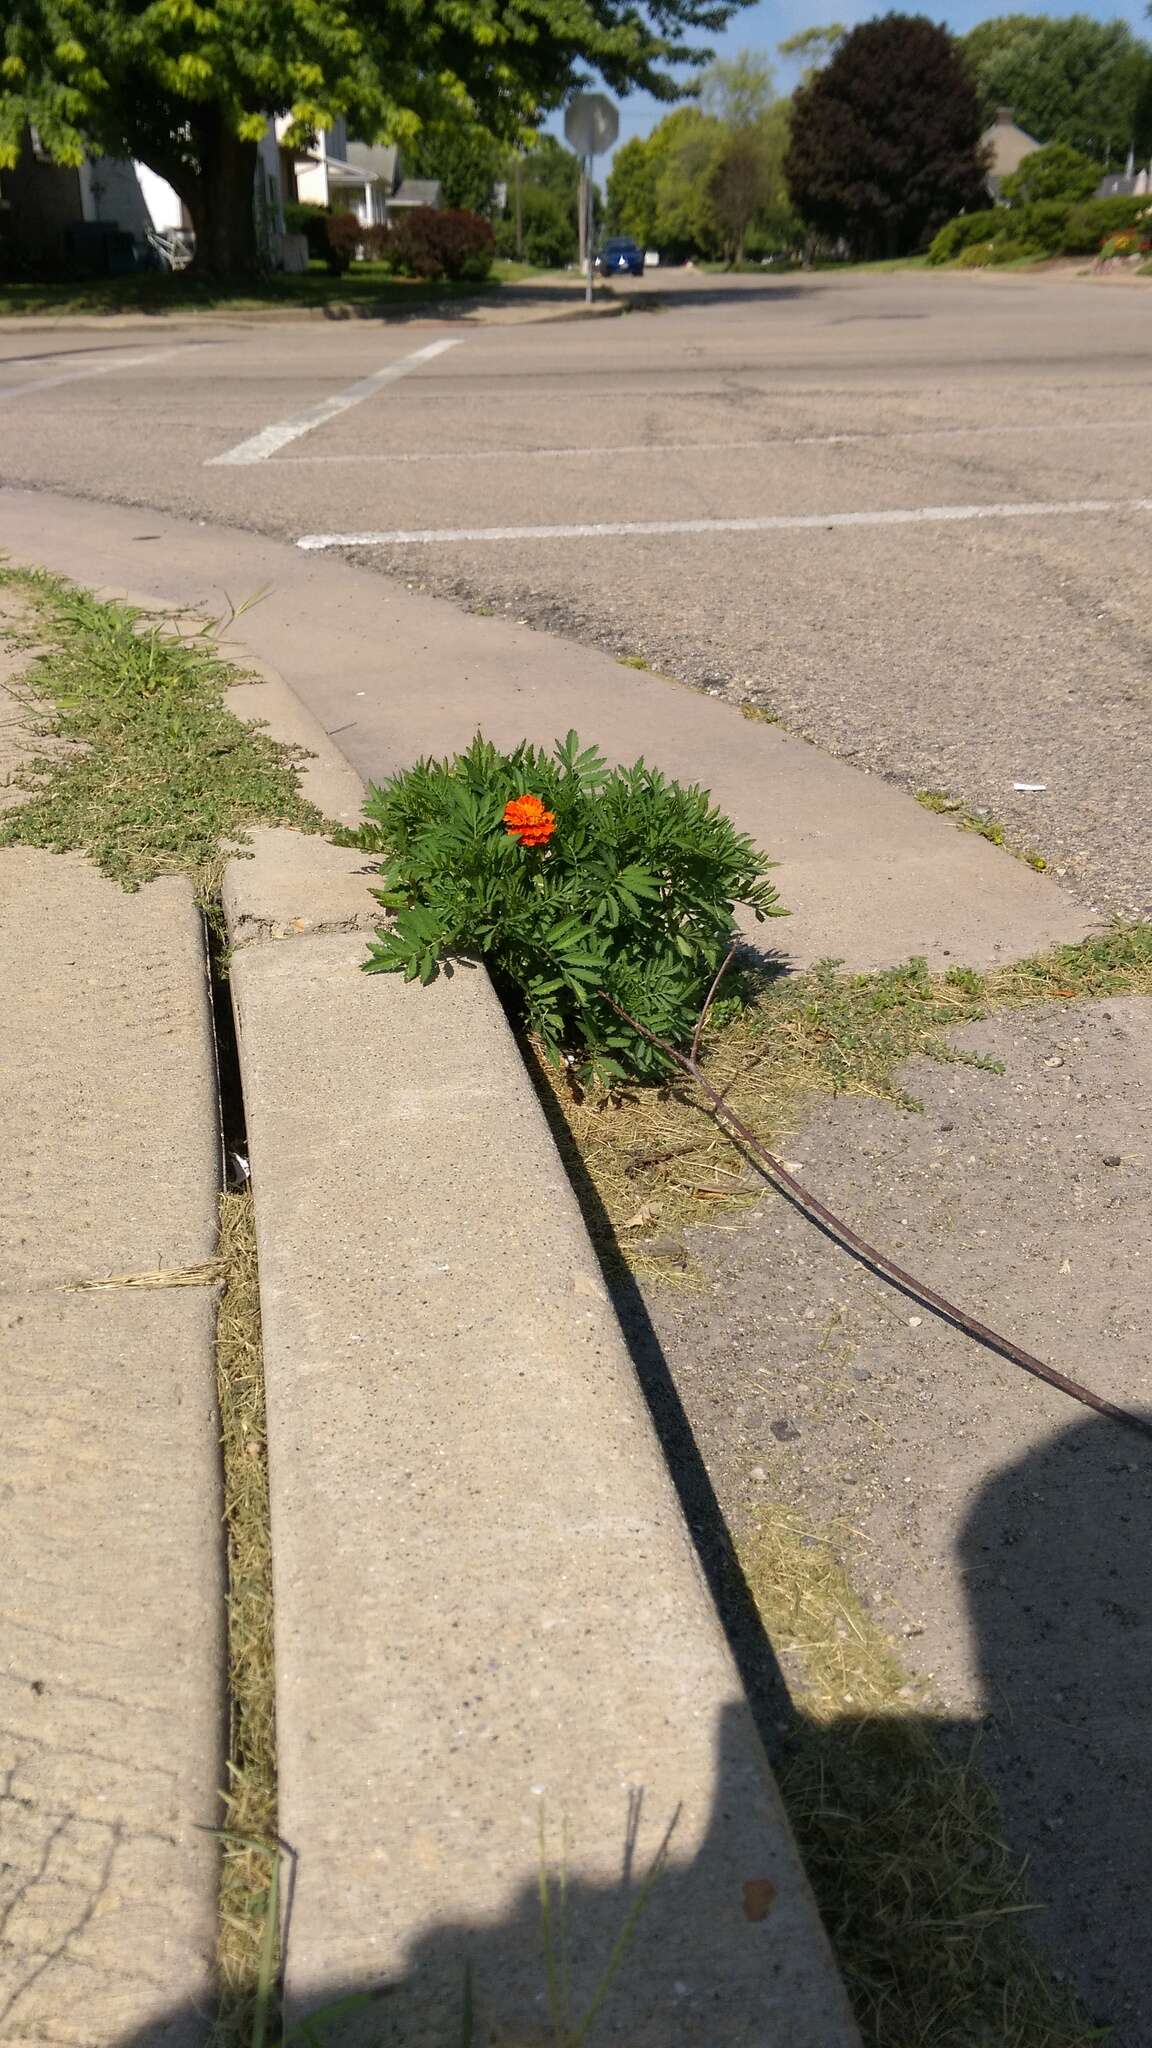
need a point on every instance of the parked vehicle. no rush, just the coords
(620, 254)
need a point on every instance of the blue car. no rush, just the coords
(620, 255)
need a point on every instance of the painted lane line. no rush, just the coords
(260, 446)
(924, 515)
(729, 447)
(137, 362)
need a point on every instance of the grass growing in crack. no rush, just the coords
(247, 1893)
(154, 773)
(944, 805)
(658, 1160)
(926, 1906)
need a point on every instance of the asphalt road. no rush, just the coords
(788, 449)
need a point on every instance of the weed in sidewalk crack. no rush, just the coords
(944, 805)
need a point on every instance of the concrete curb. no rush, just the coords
(111, 1648)
(489, 1616)
(468, 312)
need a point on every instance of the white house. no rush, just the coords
(1007, 146)
(363, 178)
(48, 202)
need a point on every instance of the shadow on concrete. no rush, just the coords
(1055, 1552)
(655, 294)
(682, 1956)
(1055, 1549)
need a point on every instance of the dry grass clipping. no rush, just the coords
(649, 1161)
(250, 1798)
(925, 1903)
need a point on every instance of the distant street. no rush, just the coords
(908, 514)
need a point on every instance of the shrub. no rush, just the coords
(960, 234)
(567, 878)
(1091, 224)
(1055, 172)
(301, 217)
(1044, 225)
(550, 237)
(376, 243)
(984, 255)
(430, 242)
(344, 235)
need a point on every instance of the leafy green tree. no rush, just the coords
(551, 167)
(813, 46)
(885, 139)
(1076, 80)
(187, 87)
(741, 184)
(688, 142)
(465, 158)
(549, 237)
(1055, 172)
(631, 190)
(738, 90)
(707, 174)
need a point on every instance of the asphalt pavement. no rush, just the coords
(905, 513)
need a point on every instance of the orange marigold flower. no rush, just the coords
(527, 820)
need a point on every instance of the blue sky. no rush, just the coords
(760, 28)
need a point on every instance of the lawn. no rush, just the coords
(367, 287)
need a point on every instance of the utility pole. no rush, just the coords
(519, 203)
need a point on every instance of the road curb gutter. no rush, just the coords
(492, 1630)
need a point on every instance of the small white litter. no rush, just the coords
(1031, 788)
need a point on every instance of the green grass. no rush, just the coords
(147, 773)
(366, 287)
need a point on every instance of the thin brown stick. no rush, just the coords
(710, 998)
(870, 1254)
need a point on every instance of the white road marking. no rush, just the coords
(723, 447)
(122, 362)
(264, 444)
(923, 515)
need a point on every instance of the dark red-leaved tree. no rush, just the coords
(886, 138)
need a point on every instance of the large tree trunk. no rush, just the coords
(222, 201)
(216, 181)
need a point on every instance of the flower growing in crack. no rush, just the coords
(526, 819)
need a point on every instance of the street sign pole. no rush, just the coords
(588, 227)
(591, 124)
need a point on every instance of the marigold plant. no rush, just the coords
(568, 878)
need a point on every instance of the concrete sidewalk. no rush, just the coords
(870, 877)
(111, 1651)
(468, 1500)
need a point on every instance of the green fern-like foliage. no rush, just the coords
(633, 894)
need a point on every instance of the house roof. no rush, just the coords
(416, 192)
(1007, 146)
(375, 161)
